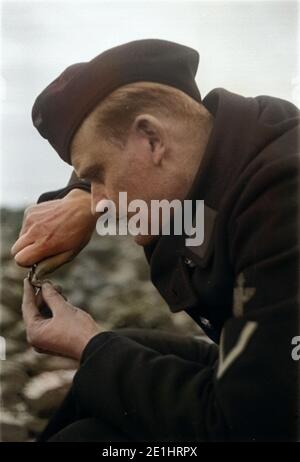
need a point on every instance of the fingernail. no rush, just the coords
(47, 285)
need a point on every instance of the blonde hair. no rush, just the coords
(114, 116)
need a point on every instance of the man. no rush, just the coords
(133, 120)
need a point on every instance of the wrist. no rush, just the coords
(92, 343)
(78, 193)
(81, 345)
(82, 199)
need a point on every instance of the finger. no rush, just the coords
(59, 289)
(27, 222)
(52, 263)
(39, 350)
(53, 299)
(21, 243)
(33, 254)
(29, 307)
(25, 226)
(43, 308)
(32, 215)
(38, 297)
(30, 255)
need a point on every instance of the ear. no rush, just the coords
(150, 130)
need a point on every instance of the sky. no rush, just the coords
(250, 48)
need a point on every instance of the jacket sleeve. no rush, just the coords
(73, 183)
(251, 392)
(186, 346)
(144, 393)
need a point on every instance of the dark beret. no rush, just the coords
(60, 109)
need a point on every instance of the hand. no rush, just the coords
(66, 333)
(55, 227)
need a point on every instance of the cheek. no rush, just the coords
(118, 182)
(131, 174)
(127, 179)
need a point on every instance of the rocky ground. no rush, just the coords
(109, 279)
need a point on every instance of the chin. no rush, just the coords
(144, 240)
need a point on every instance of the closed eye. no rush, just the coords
(93, 173)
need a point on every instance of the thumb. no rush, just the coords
(29, 305)
(53, 299)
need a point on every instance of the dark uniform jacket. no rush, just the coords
(240, 285)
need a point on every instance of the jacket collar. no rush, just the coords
(232, 134)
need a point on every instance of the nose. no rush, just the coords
(98, 194)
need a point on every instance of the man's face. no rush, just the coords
(139, 169)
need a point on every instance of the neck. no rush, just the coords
(194, 154)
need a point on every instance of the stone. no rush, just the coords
(30, 360)
(54, 363)
(13, 377)
(45, 392)
(35, 425)
(12, 427)
(14, 273)
(17, 331)
(14, 346)
(11, 295)
(8, 318)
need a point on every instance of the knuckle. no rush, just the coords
(42, 244)
(89, 317)
(31, 339)
(43, 230)
(28, 211)
(78, 312)
(28, 221)
(34, 226)
(31, 229)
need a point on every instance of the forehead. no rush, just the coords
(84, 147)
